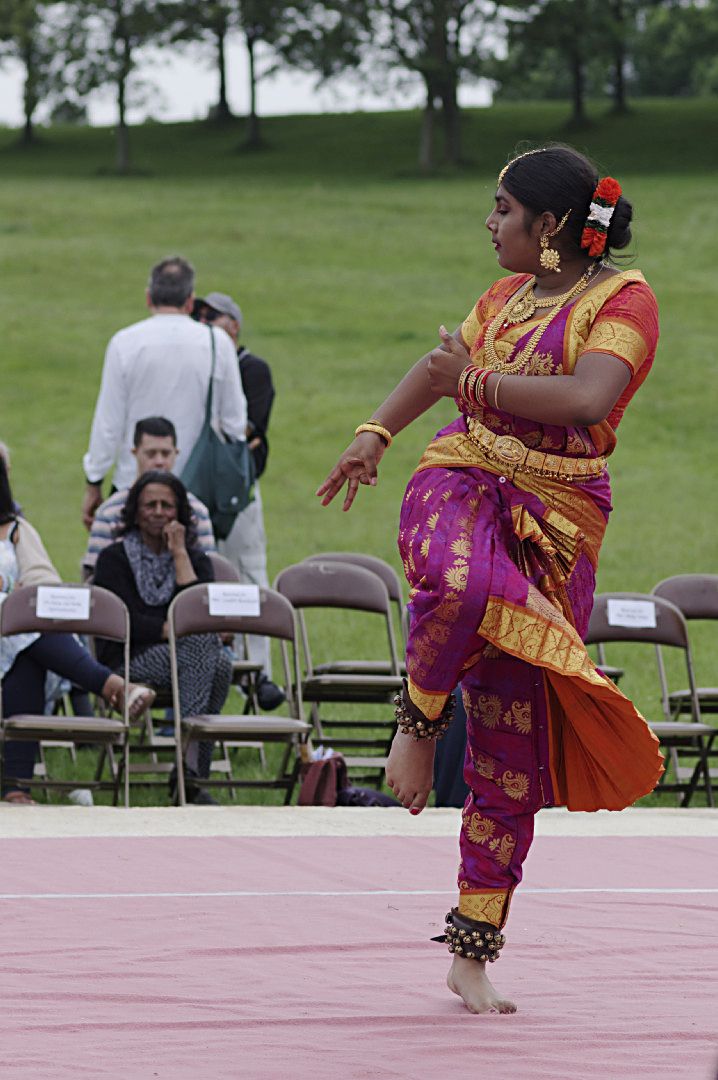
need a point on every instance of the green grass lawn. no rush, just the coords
(345, 262)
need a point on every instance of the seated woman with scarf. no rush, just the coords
(156, 558)
(26, 659)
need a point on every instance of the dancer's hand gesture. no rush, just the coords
(357, 465)
(445, 364)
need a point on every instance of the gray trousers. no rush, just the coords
(246, 548)
(204, 672)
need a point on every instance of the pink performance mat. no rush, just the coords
(282, 958)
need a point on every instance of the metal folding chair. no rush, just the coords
(189, 613)
(108, 618)
(391, 579)
(681, 739)
(347, 588)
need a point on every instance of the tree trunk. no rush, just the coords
(29, 94)
(122, 156)
(426, 137)
(578, 88)
(254, 138)
(619, 57)
(452, 121)
(223, 110)
(620, 104)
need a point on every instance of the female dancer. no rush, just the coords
(500, 531)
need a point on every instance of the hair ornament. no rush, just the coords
(603, 203)
(526, 153)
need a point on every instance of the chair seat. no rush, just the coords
(358, 667)
(338, 688)
(680, 729)
(611, 672)
(222, 727)
(367, 762)
(80, 728)
(245, 667)
(680, 700)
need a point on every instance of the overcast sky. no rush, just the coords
(187, 86)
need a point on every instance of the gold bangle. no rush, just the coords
(376, 429)
(496, 389)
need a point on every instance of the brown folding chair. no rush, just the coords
(681, 739)
(245, 673)
(152, 752)
(108, 618)
(391, 579)
(696, 595)
(347, 588)
(189, 614)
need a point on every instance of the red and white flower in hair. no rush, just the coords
(603, 203)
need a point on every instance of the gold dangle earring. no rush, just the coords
(549, 257)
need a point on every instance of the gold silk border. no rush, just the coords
(491, 905)
(539, 635)
(619, 340)
(584, 311)
(431, 702)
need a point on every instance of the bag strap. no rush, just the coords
(208, 407)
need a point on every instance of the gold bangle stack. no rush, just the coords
(376, 428)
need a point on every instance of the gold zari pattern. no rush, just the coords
(485, 906)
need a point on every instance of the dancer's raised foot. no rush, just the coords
(410, 770)
(469, 980)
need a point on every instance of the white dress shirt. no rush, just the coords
(160, 367)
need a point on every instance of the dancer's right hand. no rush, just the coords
(357, 465)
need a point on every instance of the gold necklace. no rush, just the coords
(507, 315)
(527, 302)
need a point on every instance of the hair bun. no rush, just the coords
(619, 229)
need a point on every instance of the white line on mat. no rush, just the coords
(240, 894)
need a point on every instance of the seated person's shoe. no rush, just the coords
(193, 792)
(203, 798)
(269, 695)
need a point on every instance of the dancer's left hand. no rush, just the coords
(446, 362)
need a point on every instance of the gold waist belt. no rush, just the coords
(512, 456)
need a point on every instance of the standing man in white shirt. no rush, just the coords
(160, 366)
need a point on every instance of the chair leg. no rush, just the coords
(293, 780)
(179, 764)
(702, 766)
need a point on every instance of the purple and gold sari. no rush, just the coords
(501, 527)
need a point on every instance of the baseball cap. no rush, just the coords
(222, 303)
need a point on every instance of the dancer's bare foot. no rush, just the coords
(410, 770)
(469, 980)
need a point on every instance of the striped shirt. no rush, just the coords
(107, 524)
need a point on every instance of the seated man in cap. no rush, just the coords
(246, 545)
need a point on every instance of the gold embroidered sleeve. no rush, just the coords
(619, 339)
(470, 328)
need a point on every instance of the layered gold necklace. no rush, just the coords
(521, 307)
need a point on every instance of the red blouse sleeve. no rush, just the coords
(627, 327)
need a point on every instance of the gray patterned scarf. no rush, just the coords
(154, 574)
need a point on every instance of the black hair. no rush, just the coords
(184, 511)
(171, 282)
(8, 511)
(154, 425)
(558, 178)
